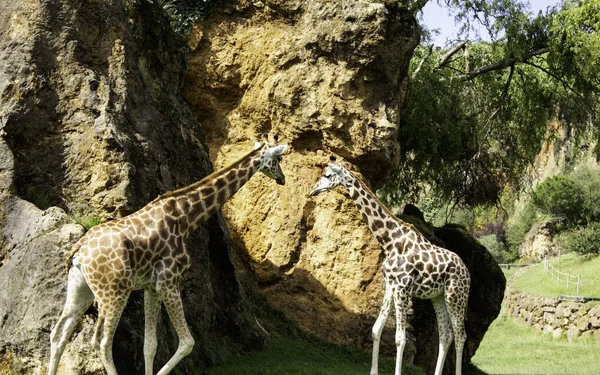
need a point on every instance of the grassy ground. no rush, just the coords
(508, 348)
(512, 348)
(298, 356)
(534, 280)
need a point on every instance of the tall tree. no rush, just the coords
(477, 112)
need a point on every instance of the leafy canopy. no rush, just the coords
(477, 113)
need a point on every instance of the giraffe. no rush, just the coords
(146, 250)
(413, 267)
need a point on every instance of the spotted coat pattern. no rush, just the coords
(146, 250)
(413, 267)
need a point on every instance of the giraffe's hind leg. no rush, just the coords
(79, 298)
(444, 331)
(456, 302)
(109, 314)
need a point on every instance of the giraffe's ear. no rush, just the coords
(335, 168)
(277, 150)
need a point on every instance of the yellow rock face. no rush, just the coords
(327, 77)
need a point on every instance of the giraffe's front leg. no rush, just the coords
(378, 328)
(152, 310)
(401, 300)
(172, 299)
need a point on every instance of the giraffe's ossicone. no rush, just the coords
(146, 250)
(413, 267)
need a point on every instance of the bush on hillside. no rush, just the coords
(583, 240)
(184, 13)
(589, 181)
(496, 228)
(519, 225)
(560, 197)
(498, 249)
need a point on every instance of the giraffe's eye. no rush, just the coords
(328, 176)
(279, 157)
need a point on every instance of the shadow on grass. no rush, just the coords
(474, 370)
(302, 356)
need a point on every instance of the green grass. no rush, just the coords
(510, 347)
(509, 272)
(534, 281)
(301, 356)
(87, 221)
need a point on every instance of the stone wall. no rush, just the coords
(551, 316)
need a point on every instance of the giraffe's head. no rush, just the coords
(271, 156)
(334, 175)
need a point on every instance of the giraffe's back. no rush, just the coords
(136, 250)
(427, 272)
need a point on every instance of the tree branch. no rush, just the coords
(499, 65)
(467, 60)
(450, 53)
(507, 84)
(421, 63)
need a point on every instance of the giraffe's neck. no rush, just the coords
(392, 233)
(190, 206)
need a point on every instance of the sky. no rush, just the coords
(437, 16)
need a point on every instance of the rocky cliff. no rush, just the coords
(329, 77)
(92, 123)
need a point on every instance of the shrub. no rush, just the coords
(184, 13)
(583, 240)
(519, 225)
(589, 181)
(498, 249)
(497, 228)
(560, 197)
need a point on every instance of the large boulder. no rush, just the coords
(539, 242)
(324, 75)
(93, 123)
(485, 299)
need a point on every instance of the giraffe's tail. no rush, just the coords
(69, 258)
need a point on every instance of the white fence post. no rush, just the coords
(567, 277)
